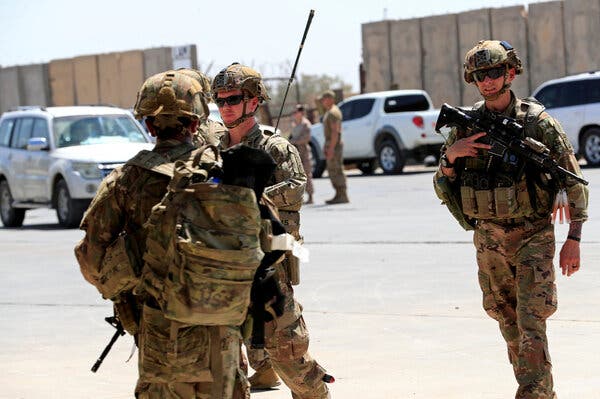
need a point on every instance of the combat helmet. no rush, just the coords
(204, 81)
(168, 96)
(237, 76)
(246, 79)
(490, 54)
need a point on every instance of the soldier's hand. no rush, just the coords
(466, 147)
(570, 257)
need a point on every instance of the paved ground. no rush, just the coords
(390, 295)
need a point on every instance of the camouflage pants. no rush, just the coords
(335, 168)
(180, 361)
(286, 345)
(516, 276)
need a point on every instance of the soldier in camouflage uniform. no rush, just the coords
(176, 360)
(238, 90)
(511, 214)
(300, 137)
(334, 148)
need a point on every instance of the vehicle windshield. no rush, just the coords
(97, 129)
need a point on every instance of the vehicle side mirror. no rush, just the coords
(37, 144)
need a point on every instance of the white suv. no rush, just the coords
(575, 102)
(57, 156)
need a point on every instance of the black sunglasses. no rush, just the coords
(492, 73)
(231, 100)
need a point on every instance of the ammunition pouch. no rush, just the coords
(118, 271)
(486, 196)
(129, 312)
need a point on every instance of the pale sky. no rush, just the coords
(265, 34)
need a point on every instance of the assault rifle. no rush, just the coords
(504, 134)
(116, 323)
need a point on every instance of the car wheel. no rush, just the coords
(318, 165)
(11, 217)
(368, 167)
(68, 210)
(591, 146)
(390, 158)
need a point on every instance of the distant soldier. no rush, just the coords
(176, 360)
(238, 90)
(509, 205)
(334, 147)
(300, 137)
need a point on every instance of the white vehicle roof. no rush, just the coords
(387, 93)
(570, 78)
(75, 110)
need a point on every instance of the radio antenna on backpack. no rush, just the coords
(287, 88)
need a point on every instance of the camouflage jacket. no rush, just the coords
(122, 205)
(548, 131)
(286, 188)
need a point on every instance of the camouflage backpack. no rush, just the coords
(203, 246)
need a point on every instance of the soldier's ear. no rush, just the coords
(150, 127)
(511, 74)
(194, 125)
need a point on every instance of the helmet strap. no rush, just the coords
(245, 115)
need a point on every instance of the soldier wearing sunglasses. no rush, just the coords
(238, 91)
(509, 204)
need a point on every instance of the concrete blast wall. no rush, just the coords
(553, 39)
(92, 79)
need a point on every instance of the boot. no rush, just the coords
(264, 378)
(340, 197)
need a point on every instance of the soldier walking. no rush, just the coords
(509, 205)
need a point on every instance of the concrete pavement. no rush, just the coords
(390, 297)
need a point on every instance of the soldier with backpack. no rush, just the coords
(238, 90)
(187, 349)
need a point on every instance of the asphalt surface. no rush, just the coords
(390, 297)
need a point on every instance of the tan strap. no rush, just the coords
(216, 360)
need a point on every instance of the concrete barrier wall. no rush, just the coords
(157, 60)
(509, 24)
(85, 70)
(473, 26)
(131, 71)
(109, 78)
(33, 85)
(553, 39)
(376, 55)
(61, 77)
(440, 52)
(582, 35)
(9, 88)
(406, 54)
(547, 57)
(92, 79)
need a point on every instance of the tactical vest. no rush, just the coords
(203, 248)
(493, 188)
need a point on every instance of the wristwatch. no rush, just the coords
(444, 161)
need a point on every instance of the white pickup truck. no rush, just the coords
(385, 129)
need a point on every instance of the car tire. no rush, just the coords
(390, 158)
(590, 145)
(368, 167)
(68, 210)
(318, 165)
(11, 217)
